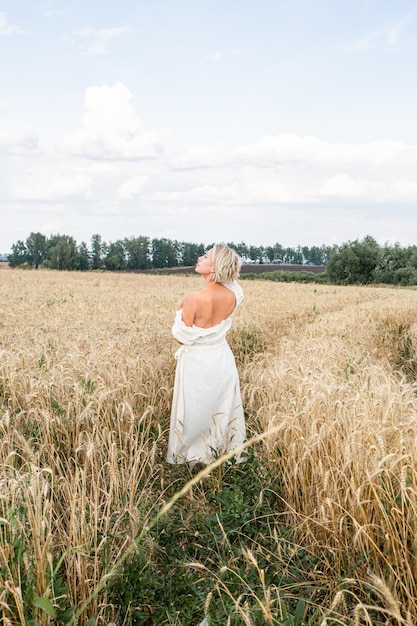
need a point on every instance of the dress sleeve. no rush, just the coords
(184, 334)
(237, 290)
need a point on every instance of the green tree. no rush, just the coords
(275, 253)
(36, 245)
(391, 260)
(83, 257)
(298, 257)
(413, 256)
(190, 253)
(97, 252)
(405, 276)
(353, 262)
(242, 249)
(269, 254)
(325, 252)
(342, 266)
(315, 255)
(368, 252)
(18, 255)
(256, 254)
(290, 256)
(62, 252)
(115, 258)
(164, 253)
(137, 253)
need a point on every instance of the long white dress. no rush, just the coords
(207, 417)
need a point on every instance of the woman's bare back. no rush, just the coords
(208, 307)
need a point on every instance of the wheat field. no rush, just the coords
(328, 377)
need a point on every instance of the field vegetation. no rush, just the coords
(317, 527)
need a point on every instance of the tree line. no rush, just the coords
(353, 262)
(141, 253)
(365, 262)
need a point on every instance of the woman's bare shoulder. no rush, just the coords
(187, 298)
(189, 307)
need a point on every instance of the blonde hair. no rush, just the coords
(226, 264)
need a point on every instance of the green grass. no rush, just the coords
(217, 559)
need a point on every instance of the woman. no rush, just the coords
(207, 416)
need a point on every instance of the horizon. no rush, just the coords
(231, 243)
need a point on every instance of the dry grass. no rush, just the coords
(86, 373)
(339, 381)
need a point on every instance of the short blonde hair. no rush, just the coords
(226, 264)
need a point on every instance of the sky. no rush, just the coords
(262, 121)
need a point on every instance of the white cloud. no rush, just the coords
(50, 9)
(111, 128)
(343, 186)
(218, 56)
(268, 151)
(201, 156)
(50, 186)
(285, 170)
(214, 56)
(289, 169)
(9, 29)
(133, 187)
(16, 142)
(283, 148)
(206, 194)
(290, 148)
(389, 35)
(405, 189)
(225, 152)
(96, 42)
(102, 168)
(251, 187)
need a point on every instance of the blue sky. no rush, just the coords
(209, 120)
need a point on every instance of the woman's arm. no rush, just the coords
(189, 309)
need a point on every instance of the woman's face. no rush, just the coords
(204, 263)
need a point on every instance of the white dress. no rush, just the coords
(207, 417)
